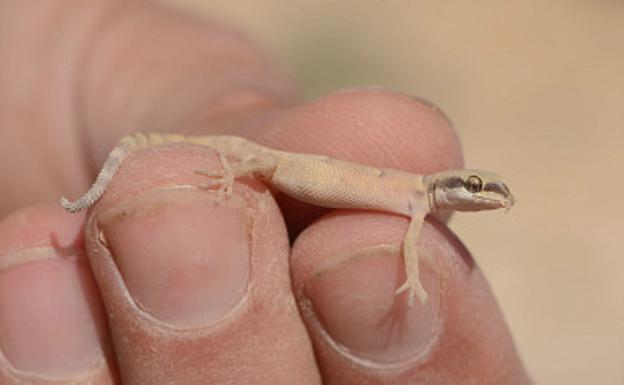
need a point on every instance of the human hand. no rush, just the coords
(166, 286)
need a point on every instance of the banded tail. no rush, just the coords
(125, 146)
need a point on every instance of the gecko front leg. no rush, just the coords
(412, 283)
(262, 165)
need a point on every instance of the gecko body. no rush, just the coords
(328, 182)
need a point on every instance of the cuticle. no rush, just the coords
(27, 255)
(150, 201)
(339, 259)
(98, 363)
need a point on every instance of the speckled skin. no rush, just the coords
(327, 182)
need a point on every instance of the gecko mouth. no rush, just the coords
(511, 200)
(501, 202)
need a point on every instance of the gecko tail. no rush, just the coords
(72, 207)
(115, 158)
(99, 186)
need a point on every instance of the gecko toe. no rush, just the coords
(414, 289)
(211, 173)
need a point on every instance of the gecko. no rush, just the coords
(327, 182)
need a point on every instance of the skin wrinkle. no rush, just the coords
(27, 255)
(97, 374)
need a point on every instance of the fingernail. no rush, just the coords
(183, 255)
(50, 314)
(354, 302)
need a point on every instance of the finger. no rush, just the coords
(114, 67)
(345, 269)
(367, 125)
(197, 289)
(150, 68)
(53, 325)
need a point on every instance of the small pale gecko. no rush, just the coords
(328, 182)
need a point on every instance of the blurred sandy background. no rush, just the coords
(536, 91)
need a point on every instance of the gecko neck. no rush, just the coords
(429, 187)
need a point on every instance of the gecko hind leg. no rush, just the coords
(224, 178)
(412, 283)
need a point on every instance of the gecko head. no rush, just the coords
(467, 190)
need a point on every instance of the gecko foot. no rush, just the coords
(414, 288)
(224, 178)
(225, 184)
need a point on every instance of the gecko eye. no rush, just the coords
(473, 184)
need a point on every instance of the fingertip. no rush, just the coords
(46, 284)
(345, 269)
